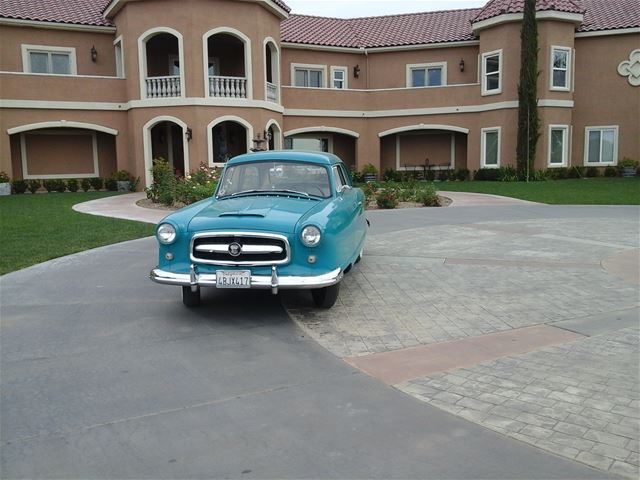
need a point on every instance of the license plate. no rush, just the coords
(233, 279)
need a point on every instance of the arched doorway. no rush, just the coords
(165, 137)
(418, 148)
(274, 135)
(229, 137)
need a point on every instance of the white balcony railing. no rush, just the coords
(272, 92)
(163, 87)
(229, 87)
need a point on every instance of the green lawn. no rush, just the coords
(588, 191)
(35, 228)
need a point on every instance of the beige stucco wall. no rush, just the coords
(13, 37)
(602, 96)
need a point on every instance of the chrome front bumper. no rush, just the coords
(273, 281)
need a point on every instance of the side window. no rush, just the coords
(345, 174)
(339, 177)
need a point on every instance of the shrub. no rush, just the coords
(592, 172)
(96, 183)
(428, 196)
(628, 162)
(387, 198)
(391, 175)
(369, 190)
(462, 174)
(19, 186)
(111, 184)
(85, 184)
(356, 176)
(122, 176)
(443, 175)
(4, 178)
(610, 171)
(487, 174)
(369, 168)
(188, 192)
(540, 176)
(34, 185)
(163, 189)
(73, 185)
(508, 174)
(430, 175)
(575, 172)
(54, 184)
(558, 173)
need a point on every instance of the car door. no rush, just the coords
(351, 206)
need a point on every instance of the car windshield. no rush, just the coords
(297, 178)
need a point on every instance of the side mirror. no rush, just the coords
(343, 188)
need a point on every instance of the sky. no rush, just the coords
(367, 8)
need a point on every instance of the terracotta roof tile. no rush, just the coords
(384, 31)
(499, 7)
(83, 12)
(609, 15)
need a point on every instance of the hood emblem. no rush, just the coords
(235, 249)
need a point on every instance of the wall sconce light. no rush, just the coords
(461, 64)
(356, 71)
(94, 54)
(188, 134)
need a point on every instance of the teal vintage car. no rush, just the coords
(278, 220)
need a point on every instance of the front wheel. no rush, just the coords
(190, 298)
(325, 297)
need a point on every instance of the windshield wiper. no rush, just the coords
(268, 192)
(284, 190)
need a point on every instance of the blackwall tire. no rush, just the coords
(325, 297)
(189, 298)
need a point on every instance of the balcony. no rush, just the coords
(163, 87)
(227, 87)
(272, 92)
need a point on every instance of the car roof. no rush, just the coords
(320, 158)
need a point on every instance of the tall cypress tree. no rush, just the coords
(528, 121)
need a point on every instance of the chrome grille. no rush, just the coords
(239, 248)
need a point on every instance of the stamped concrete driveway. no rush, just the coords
(106, 375)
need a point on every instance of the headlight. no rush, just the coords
(310, 236)
(166, 233)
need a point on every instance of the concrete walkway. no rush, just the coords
(466, 199)
(125, 207)
(122, 206)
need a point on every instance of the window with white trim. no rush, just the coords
(339, 77)
(427, 74)
(558, 145)
(492, 72)
(308, 75)
(601, 145)
(560, 68)
(117, 45)
(490, 147)
(49, 60)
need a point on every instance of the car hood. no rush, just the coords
(256, 212)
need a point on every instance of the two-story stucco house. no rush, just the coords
(91, 86)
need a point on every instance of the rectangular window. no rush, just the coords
(312, 76)
(117, 45)
(492, 73)
(427, 74)
(339, 77)
(558, 145)
(307, 143)
(560, 68)
(601, 145)
(49, 60)
(490, 147)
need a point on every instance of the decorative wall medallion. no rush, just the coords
(631, 68)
